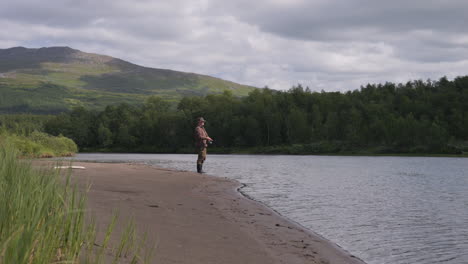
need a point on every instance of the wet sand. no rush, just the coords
(200, 219)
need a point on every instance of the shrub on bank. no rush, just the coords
(59, 146)
(40, 145)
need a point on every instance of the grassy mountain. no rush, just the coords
(50, 80)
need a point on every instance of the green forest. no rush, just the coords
(417, 117)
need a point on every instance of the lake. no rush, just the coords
(381, 209)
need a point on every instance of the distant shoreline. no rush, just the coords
(247, 152)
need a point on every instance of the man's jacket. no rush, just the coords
(200, 137)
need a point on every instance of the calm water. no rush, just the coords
(382, 209)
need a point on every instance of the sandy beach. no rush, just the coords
(196, 218)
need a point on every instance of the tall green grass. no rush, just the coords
(42, 219)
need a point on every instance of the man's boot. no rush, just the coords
(199, 168)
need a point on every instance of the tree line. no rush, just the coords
(414, 117)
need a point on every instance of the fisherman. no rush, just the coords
(201, 141)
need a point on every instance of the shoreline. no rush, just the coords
(206, 218)
(329, 243)
(343, 154)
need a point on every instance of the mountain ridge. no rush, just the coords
(93, 80)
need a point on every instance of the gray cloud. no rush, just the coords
(329, 45)
(335, 19)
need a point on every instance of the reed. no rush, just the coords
(42, 219)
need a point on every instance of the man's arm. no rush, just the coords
(207, 137)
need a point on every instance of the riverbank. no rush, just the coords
(196, 218)
(282, 150)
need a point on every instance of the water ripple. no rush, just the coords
(382, 209)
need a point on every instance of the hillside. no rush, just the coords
(55, 79)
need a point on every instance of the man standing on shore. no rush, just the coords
(201, 140)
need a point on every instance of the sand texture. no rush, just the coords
(199, 219)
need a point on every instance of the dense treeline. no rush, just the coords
(23, 124)
(416, 117)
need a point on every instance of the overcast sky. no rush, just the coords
(334, 45)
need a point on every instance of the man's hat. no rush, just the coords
(201, 119)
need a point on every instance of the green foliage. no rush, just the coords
(23, 124)
(42, 220)
(37, 217)
(416, 117)
(59, 145)
(39, 144)
(54, 80)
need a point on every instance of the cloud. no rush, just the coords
(330, 45)
(343, 19)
